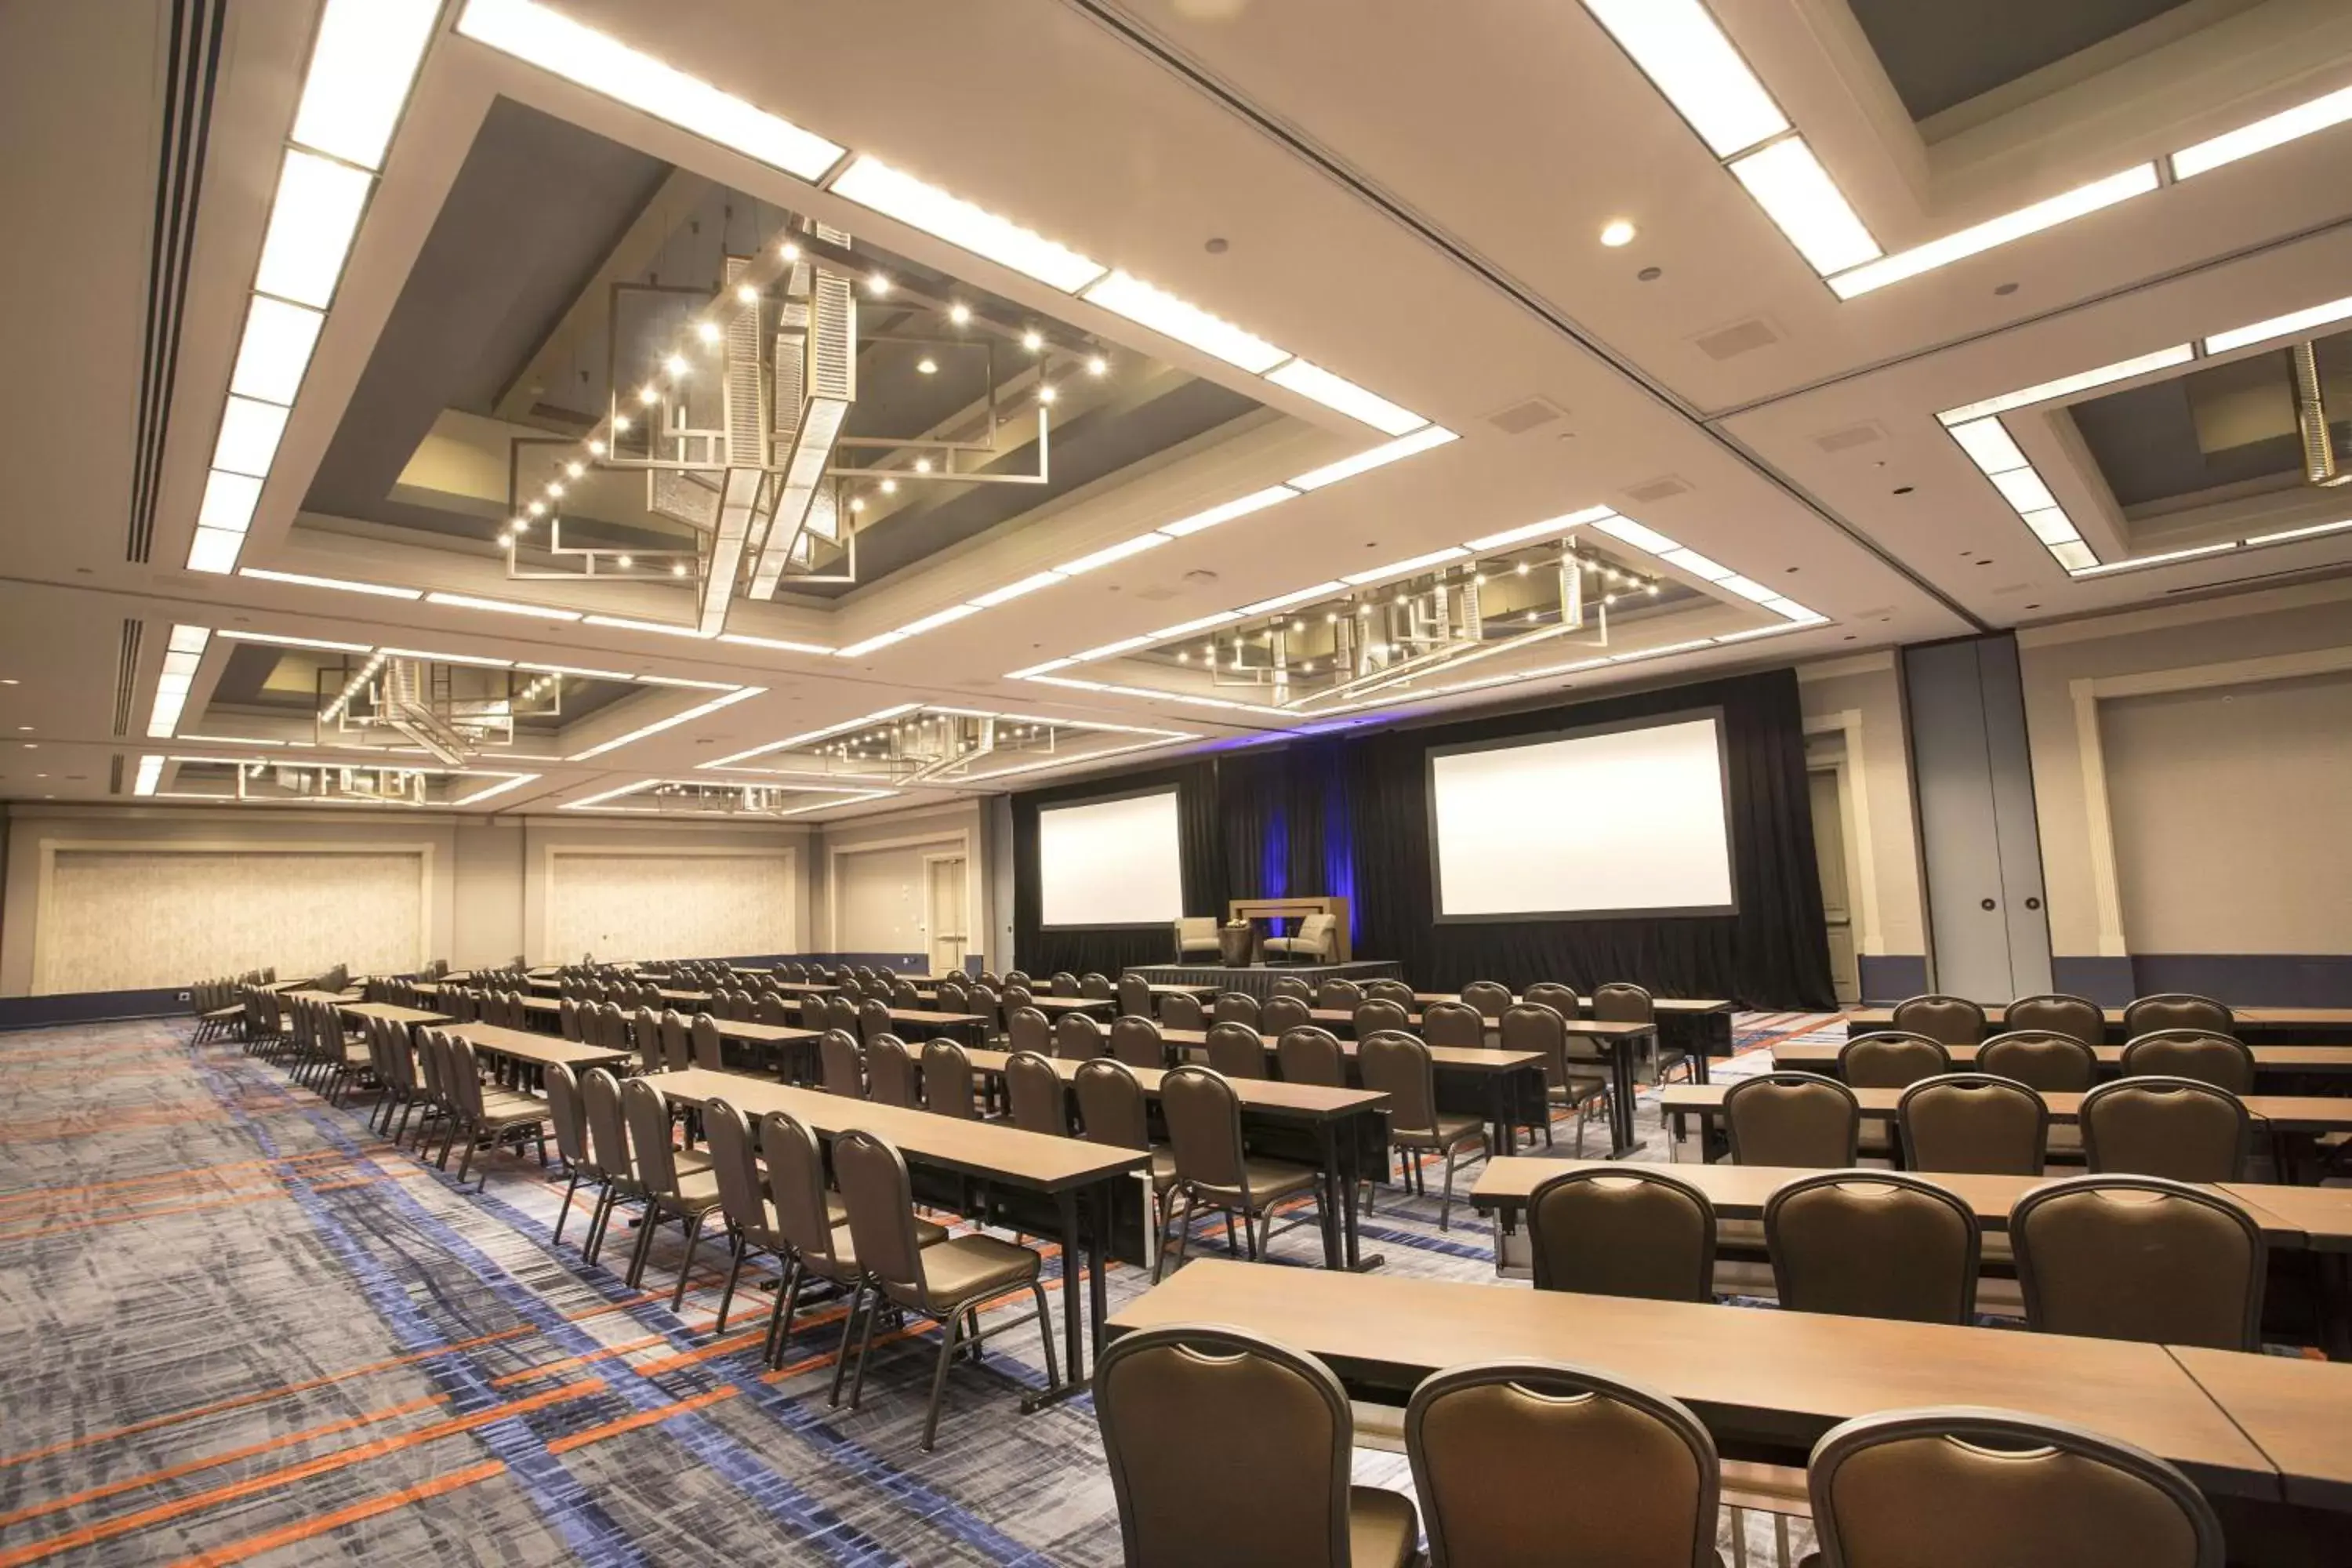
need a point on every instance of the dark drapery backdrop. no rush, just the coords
(1349, 815)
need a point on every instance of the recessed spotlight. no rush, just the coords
(626, 560)
(32, 746)
(575, 469)
(675, 364)
(878, 284)
(1616, 232)
(1521, 569)
(707, 330)
(11, 681)
(1032, 340)
(24, 728)
(1046, 394)
(746, 294)
(1097, 365)
(788, 251)
(678, 568)
(959, 313)
(648, 395)
(928, 365)
(889, 487)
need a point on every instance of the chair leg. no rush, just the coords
(1183, 1236)
(473, 1140)
(779, 1316)
(1045, 1334)
(842, 1354)
(1445, 1203)
(741, 1249)
(565, 1212)
(693, 1224)
(865, 1349)
(643, 1252)
(950, 1335)
(1229, 1230)
(595, 1241)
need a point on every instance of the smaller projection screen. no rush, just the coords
(1110, 862)
(1622, 819)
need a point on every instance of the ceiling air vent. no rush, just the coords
(1655, 490)
(1526, 416)
(126, 674)
(1739, 338)
(1862, 434)
(114, 775)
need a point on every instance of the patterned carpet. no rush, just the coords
(239, 1327)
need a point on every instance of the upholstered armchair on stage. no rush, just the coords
(1196, 933)
(1317, 942)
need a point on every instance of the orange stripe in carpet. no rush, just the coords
(614, 1428)
(90, 1535)
(113, 1488)
(38, 1232)
(353, 1513)
(262, 1397)
(40, 1194)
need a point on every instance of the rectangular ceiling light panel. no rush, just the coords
(1679, 48)
(250, 433)
(304, 580)
(1028, 584)
(1378, 457)
(871, 183)
(275, 350)
(1126, 295)
(536, 33)
(362, 67)
(1256, 501)
(1796, 192)
(2136, 181)
(1310, 381)
(1119, 552)
(2295, 324)
(2288, 125)
(2068, 385)
(311, 227)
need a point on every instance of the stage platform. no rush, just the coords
(1258, 978)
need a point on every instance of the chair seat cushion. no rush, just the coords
(1452, 1127)
(1270, 1180)
(1383, 1528)
(498, 1105)
(845, 1255)
(966, 1267)
(1163, 1168)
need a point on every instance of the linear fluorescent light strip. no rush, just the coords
(182, 655)
(341, 585)
(2295, 324)
(806, 737)
(1678, 46)
(672, 722)
(2277, 130)
(151, 774)
(2064, 207)
(501, 606)
(1798, 194)
(779, 644)
(2068, 385)
(511, 781)
(363, 64)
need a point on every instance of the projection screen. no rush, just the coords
(1620, 819)
(1110, 862)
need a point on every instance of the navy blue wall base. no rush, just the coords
(2109, 982)
(91, 1008)
(1892, 976)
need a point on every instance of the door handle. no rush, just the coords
(1989, 903)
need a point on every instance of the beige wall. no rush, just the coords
(1859, 697)
(867, 870)
(2098, 693)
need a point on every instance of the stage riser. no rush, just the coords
(1258, 980)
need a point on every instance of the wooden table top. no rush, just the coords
(1808, 1055)
(338, 997)
(2293, 1408)
(397, 1014)
(2324, 1215)
(1304, 1100)
(1741, 1192)
(2283, 1112)
(766, 1034)
(1658, 1004)
(1457, 1059)
(935, 1020)
(2268, 1017)
(1781, 1377)
(1588, 1028)
(1035, 1160)
(1072, 1004)
(545, 1049)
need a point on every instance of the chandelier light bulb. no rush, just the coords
(878, 284)
(928, 365)
(575, 469)
(1097, 365)
(922, 465)
(858, 503)
(1032, 340)
(1046, 393)
(620, 424)
(707, 330)
(626, 560)
(537, 509)
(675, 364)
(554, 487)
(678, 568)
(648, 395)
(746, 294)
(595, 448)
(788, 251)
(959, 313)
(889, 487)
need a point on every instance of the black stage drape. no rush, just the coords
(1349, 815)
(1199, 843)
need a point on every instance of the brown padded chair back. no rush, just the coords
(1372, 1017)
(904, 994)
(676, 1039)
(1136, 1041)
(1016, 996)
(796, 1186)
(1973, 1122)
(1204, 1126)
(1237, 1007)
(1489, 997)
(1224, 1448)
(771, 1009)
(1181, 1010)
(1282, 1013)
(1111, 1105)
(875, 1189)
(1962, 1488)
(841, 1064)
(1394, 1063)
(567, 1015)
(841, 1013)
(1628, 1231)
(1621, 1002)
(608, 1127)
(1535, 1026)
(890, 1072)
(1955, 1020)
(1891, 1059)
(1338, 993)
(1395, 991)
(2178, 1128)
(2047, 1059)
(1078, 1037)
(1873, 1244)
(1063, 984)
(1135, 995)
(648, 1117)
(1309, 1055)
(2057, 1013)
(1016, 977)
(1792, 1119)
(707, 1052)
(1560, 999)
(1291, 985)
(740, 1197)
(873, 1019)
(946, 1080)
(1453, 1024)
(1035, 1090)
(1236, 1050)
(2222, 1060)
(1025, 1029)
(1097, 986)
(568, 1111)
(2177, 1010)
(2138, 1257)
(1507, 1455)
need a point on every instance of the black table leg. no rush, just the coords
(1328, 1133)
(1073, 1336)
(1503, 1137)
(1351, 1170)
(1621, 1141)
(1101, 1205)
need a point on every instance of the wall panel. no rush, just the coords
(670, 903)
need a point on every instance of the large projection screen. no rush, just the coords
(1621, 819)
(1110, 862)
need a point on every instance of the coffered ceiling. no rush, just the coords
(1286, 313)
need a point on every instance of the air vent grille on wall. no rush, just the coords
(189, 70)
(1659, 490)
(1739, 338)
(126, 675)
(1523, 416)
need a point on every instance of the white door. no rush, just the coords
(1829, 852)
(944, 911)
